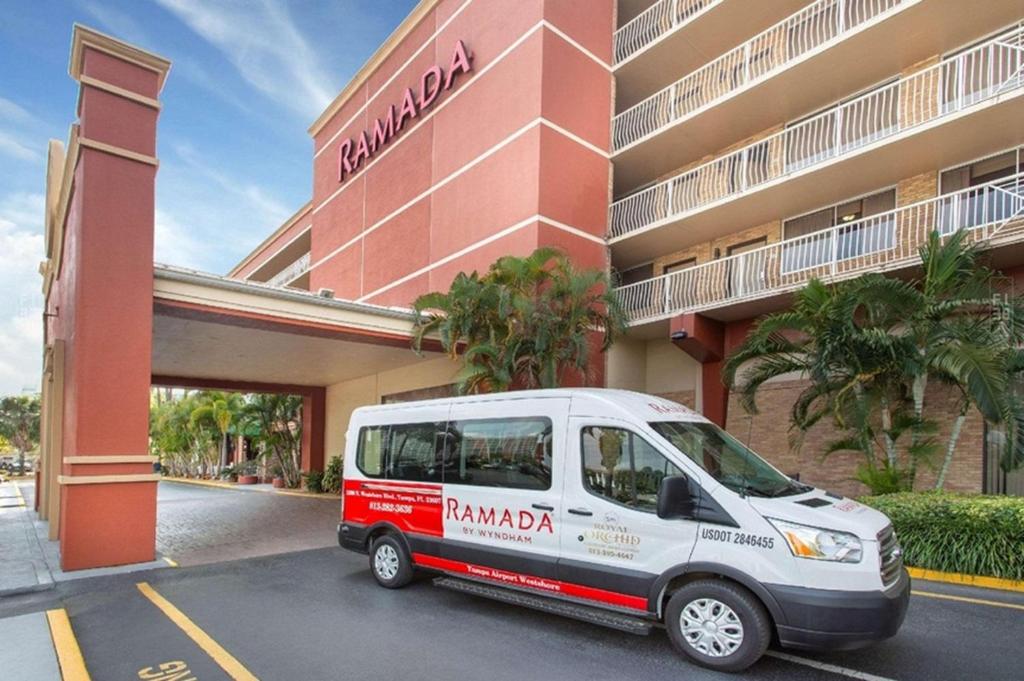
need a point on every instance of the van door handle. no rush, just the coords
(543, 507)
(580, 511)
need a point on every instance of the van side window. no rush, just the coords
(413, 452)
(623, 467)
(401, 452)
(514, 452)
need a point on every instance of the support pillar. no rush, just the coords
(314, 422)
(709, 341)
(101, 300)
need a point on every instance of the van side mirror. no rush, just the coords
(674, 498)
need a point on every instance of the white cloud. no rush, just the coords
(21, 334)
(118, 23)
(265, 45)
(207, 219)
(13, 112)
(12, 146)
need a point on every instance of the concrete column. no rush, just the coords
(105, 303)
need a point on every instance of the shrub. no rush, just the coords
(968, 534)
(332, 476)
(314, 481)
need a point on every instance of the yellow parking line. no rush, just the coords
(223, 658)
(169, 561)
(965, 599)
(69, 655)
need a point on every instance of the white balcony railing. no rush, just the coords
(290, 273)
(657, 20)
(772, 50)
(986, 71)
(885, 241)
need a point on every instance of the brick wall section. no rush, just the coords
(918, 97)
(917, 188)
(768, 433)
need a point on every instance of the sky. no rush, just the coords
(247, 80)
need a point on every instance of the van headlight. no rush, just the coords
(817, 543)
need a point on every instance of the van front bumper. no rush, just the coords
(821, 619)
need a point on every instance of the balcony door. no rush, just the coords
(972, 202)
(745, 274)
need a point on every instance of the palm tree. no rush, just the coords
(19, 424)
(219, 409)
(854, 369)
(278, 420)
(527, 322)
(870, 347)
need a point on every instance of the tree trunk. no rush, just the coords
(917, 390)
(890, 446)
(951, 447)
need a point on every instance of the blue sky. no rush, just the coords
(248, 77)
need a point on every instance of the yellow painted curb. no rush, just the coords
(69, 655)
(967, 580)
(252, 488)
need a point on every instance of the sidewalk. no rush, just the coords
(29, 561)
(28, 653)
(23, 564)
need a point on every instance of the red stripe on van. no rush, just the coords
(522, 580)
(409, 506)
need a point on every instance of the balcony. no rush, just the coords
(292, 272)
(992, 213)
(674, 37)
(912, 125)
(825, 51)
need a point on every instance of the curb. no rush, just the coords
(967, 580)
(249, 488)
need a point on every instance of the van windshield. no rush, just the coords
(727, 460)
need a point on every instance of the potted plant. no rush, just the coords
(229, 473)
(247, 473)
(276, 478)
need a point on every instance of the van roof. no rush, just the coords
(649, 407)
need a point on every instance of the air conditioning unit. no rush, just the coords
(326, 293)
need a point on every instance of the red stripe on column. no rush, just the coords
(529, 581)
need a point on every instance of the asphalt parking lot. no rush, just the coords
(319, 615)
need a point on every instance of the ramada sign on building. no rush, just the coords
(432, 83)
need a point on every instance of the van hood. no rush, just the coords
(818, 508)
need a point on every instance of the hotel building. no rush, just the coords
(715, 154)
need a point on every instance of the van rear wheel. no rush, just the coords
(718, 625)
(390, 563)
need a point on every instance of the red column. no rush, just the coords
(314, 418)
(108, 490)
(709, 342)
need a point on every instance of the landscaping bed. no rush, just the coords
(960, 533)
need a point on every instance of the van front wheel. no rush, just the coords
(390, 563)
(718, 624)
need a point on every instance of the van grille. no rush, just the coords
(890, 556)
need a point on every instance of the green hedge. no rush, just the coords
(969, 534)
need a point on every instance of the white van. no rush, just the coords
(621, 509)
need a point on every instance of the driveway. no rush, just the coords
(197, 524)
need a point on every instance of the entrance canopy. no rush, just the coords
(210, 327)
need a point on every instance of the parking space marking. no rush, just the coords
(222, 657)
(967, 599)
(826, 667)
(170, 562)
(69, 655)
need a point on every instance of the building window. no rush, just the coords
(865, 225)
(636, 274)
(623, 467)
(970, 202)
(679, 266)
(513, 453)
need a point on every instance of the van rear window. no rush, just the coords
(401, 452)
